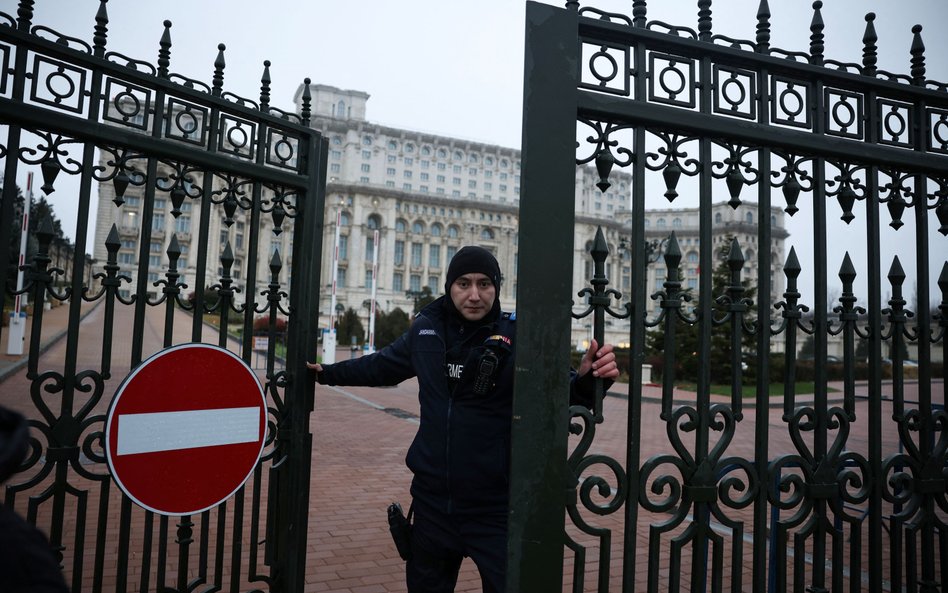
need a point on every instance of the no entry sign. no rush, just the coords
(185, 429)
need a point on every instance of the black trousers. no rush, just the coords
(440, 542)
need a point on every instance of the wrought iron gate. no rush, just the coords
(158, 147)
(835, 492)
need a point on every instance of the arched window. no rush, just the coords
(660, 223)
(392, 145)
(504, 163)
(489, 161)
(426, 151)
(487, 234)
(458, 155)
(367, 140)
(418, 227)
(749, 218)
(344, 218)
(442, 153)
(693, 257)
(472, 158)
(436, 229)
(453, 231)
(717, 218)
(341, 109)
(648, 223)
(676, 223)
(773, 221)
(401, 226)
(409, 147)
(336, 140)
(374, 222)
(749, 256)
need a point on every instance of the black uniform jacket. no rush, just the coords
(460, 456)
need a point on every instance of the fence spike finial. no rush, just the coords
(24, 15)
(101, 29)
(918, 56)
(639, 12)
(763, 27)
(306, 106)
(816, 34)
(164, 51)
(704, 20)
(217, 82)
(572, 5)
(869, 54)
(265, 86)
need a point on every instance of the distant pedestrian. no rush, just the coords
(461, 348)
(27, 563)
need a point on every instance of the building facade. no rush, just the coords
(427, 196)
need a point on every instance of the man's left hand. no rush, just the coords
(601, 361)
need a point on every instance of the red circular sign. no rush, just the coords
(185, 429)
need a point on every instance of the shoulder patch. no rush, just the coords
(427, 332)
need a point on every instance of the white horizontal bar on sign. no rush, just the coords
(170, 431)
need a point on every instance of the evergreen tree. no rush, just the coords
(388, 327)
(422, 298)
(350, 326)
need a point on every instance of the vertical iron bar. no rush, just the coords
(764, 311)
(637, 322)
(540, 416)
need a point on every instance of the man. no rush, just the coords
(461, 349)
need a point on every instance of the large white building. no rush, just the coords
(427, 195)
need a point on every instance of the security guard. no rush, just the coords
(461, 349)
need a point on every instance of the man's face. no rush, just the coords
(473, 295)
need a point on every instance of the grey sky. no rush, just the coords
(445, 66)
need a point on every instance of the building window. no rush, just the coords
(487, 234)
(374, 222)
(391, 158)
(155, 246)
(390, 171)
(440, 178)
(366, 154)
(365, 167)
(343, 247)
(424, 177)
(436, 229)
(472, 158)
(424, 164)
(335, 168)
(336, 140)
(406, 186)
(158, 222)
(676, 223)
(456, 168)
(426, 150)
(367, 140)
(749, 218)
(409, 147)
(401, 226)
(442, 153)
(472, 171)
(183, 224)
(418, 227)
(409, 161)
(363, 179)
(398, 282)
(414, 283)
(450, 251)
(472, 184)
(416, 254)
(340, 277)
(717, 218)
(660, 223)
(456, 181)
(442, 166)
(369, 247)
(392, 145)
(407, 174)
(399, 253)
(389, 184)
(433, 282)
(489, 161)
(434, 256)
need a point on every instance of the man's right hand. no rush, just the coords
(315, 366)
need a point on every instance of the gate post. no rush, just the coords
(545, 272)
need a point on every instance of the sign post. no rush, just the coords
(186, 429)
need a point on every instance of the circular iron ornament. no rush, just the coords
(127, 104)
(612, 64)
(70, 85)
(681, 80)
(850, 111)
(742, 92)
(186, 122)
(283, 149)
(941, 126)
(887, 121)
(232, 133)
(795, 94)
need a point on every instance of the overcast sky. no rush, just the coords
(449, 67)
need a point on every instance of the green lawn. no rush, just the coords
(750, 390)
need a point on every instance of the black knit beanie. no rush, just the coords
(469, 260)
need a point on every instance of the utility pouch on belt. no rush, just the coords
(401, 530)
